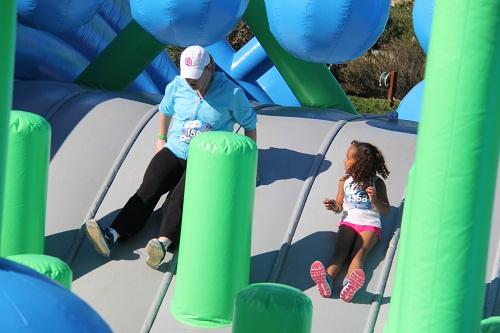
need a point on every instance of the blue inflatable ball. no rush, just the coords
(184, 23)
(327, 31)
(29, 302)
(56, 15)
(422, 21)
(410, 107)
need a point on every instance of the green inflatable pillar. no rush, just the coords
(214, 252)
(52, 267)
(490, 325)
(23, 227)
(271, 307)
(7, 50)
(440, 274)
(119, 64)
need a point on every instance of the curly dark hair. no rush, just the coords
(369, 163)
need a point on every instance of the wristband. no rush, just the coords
(162, 137)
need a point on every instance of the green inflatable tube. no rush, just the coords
(214, 252)
(312, 84)
(23, 227)
(7, 47)
(111, 69)
(272, 307)
(52, 267)
(441, 269)
(490, 325)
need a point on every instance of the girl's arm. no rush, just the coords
(336, 205)
(378, 196)
(339, 199)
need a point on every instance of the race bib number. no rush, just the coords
(357, 197)
(360, 200)
(192, 128)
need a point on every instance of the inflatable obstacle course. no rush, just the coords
(301, 150)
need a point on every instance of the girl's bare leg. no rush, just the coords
(343, 245)
(363, 245)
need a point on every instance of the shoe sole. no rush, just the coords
(318, 275)
(94, 234)
(355, 281)
(155, 254)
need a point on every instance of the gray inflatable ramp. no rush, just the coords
(101, 145)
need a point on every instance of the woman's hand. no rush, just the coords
(159, 145)
(331, 204)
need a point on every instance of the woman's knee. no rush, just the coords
(148, 195)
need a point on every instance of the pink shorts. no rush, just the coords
(358, 229)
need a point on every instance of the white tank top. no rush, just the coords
(357, 206)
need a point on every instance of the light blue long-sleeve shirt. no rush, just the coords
(223, 105)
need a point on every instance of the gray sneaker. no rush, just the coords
(102, 240)
(156, 252)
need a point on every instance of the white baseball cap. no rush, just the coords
(193, 61)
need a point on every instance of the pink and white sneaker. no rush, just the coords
(355, 281)
(321, 278)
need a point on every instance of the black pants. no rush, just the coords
(165, 173)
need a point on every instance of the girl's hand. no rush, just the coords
(331, 204)
(379, 200)
(372, 193)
